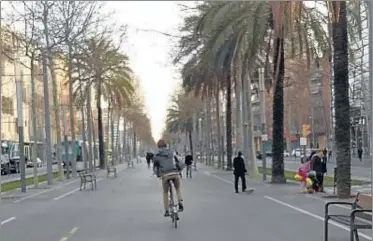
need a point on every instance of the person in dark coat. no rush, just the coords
(360, 153)
(188, 163)
(149, 157)
(239, 171)
(319, 166)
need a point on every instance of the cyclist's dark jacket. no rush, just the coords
(164, 162)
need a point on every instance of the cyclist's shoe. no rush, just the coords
(181, 207)
(167, 214)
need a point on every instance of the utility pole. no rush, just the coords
(65, 143)
(370, 24)
(48, 148)
(263, 123)
(20, 129)
(18, 79)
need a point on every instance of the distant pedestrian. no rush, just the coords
(239, 171)
(188, 163)
(360, 153)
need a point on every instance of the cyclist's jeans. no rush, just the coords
(177, 183)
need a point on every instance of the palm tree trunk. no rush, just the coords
(117, 143)
(239, 129)
(101, 144)
(342, 105)
(220, 148)
(278, 175)
(124, 149)
(108, 153)
(211, 158)
(195, 136)
(113, 155)
(229, 123)
(190, 141)
(134, 144)
(251, 159)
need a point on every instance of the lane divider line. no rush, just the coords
(71, 232)
(39, 193)
(7, 221)
(71, 192)
(315, 216)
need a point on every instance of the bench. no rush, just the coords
(111, 169)
(351, 220)
(87, 177)
(130, 163)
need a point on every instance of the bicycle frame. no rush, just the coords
(172, 207)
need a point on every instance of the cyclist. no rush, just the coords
(167, 167)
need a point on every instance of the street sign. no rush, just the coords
(303, 141)
(264, 137)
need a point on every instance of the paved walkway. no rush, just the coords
(130, 208)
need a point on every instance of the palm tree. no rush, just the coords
(224, 31)
(180, 116)
(106, 71)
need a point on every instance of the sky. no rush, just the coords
(149, 52)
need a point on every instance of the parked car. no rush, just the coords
(39, 163)
(286, 154)
(296, 153)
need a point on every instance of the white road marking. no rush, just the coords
(217, 177)
(71, 192)
(49, 190)
(315, 216)
(72, 231)
(66, 194)
(337, 205)
(7, 220)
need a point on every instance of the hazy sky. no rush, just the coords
(149, 52)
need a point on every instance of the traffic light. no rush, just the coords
(306, 130)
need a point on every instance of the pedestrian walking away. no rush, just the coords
(188, 163)
(360, 153)
(239, 172)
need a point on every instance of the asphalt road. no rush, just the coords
(29, 173)
(129, 208)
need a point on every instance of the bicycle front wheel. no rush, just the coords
(175, 221)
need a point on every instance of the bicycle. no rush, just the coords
(173, 208)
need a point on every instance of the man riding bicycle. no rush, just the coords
(167, 167)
